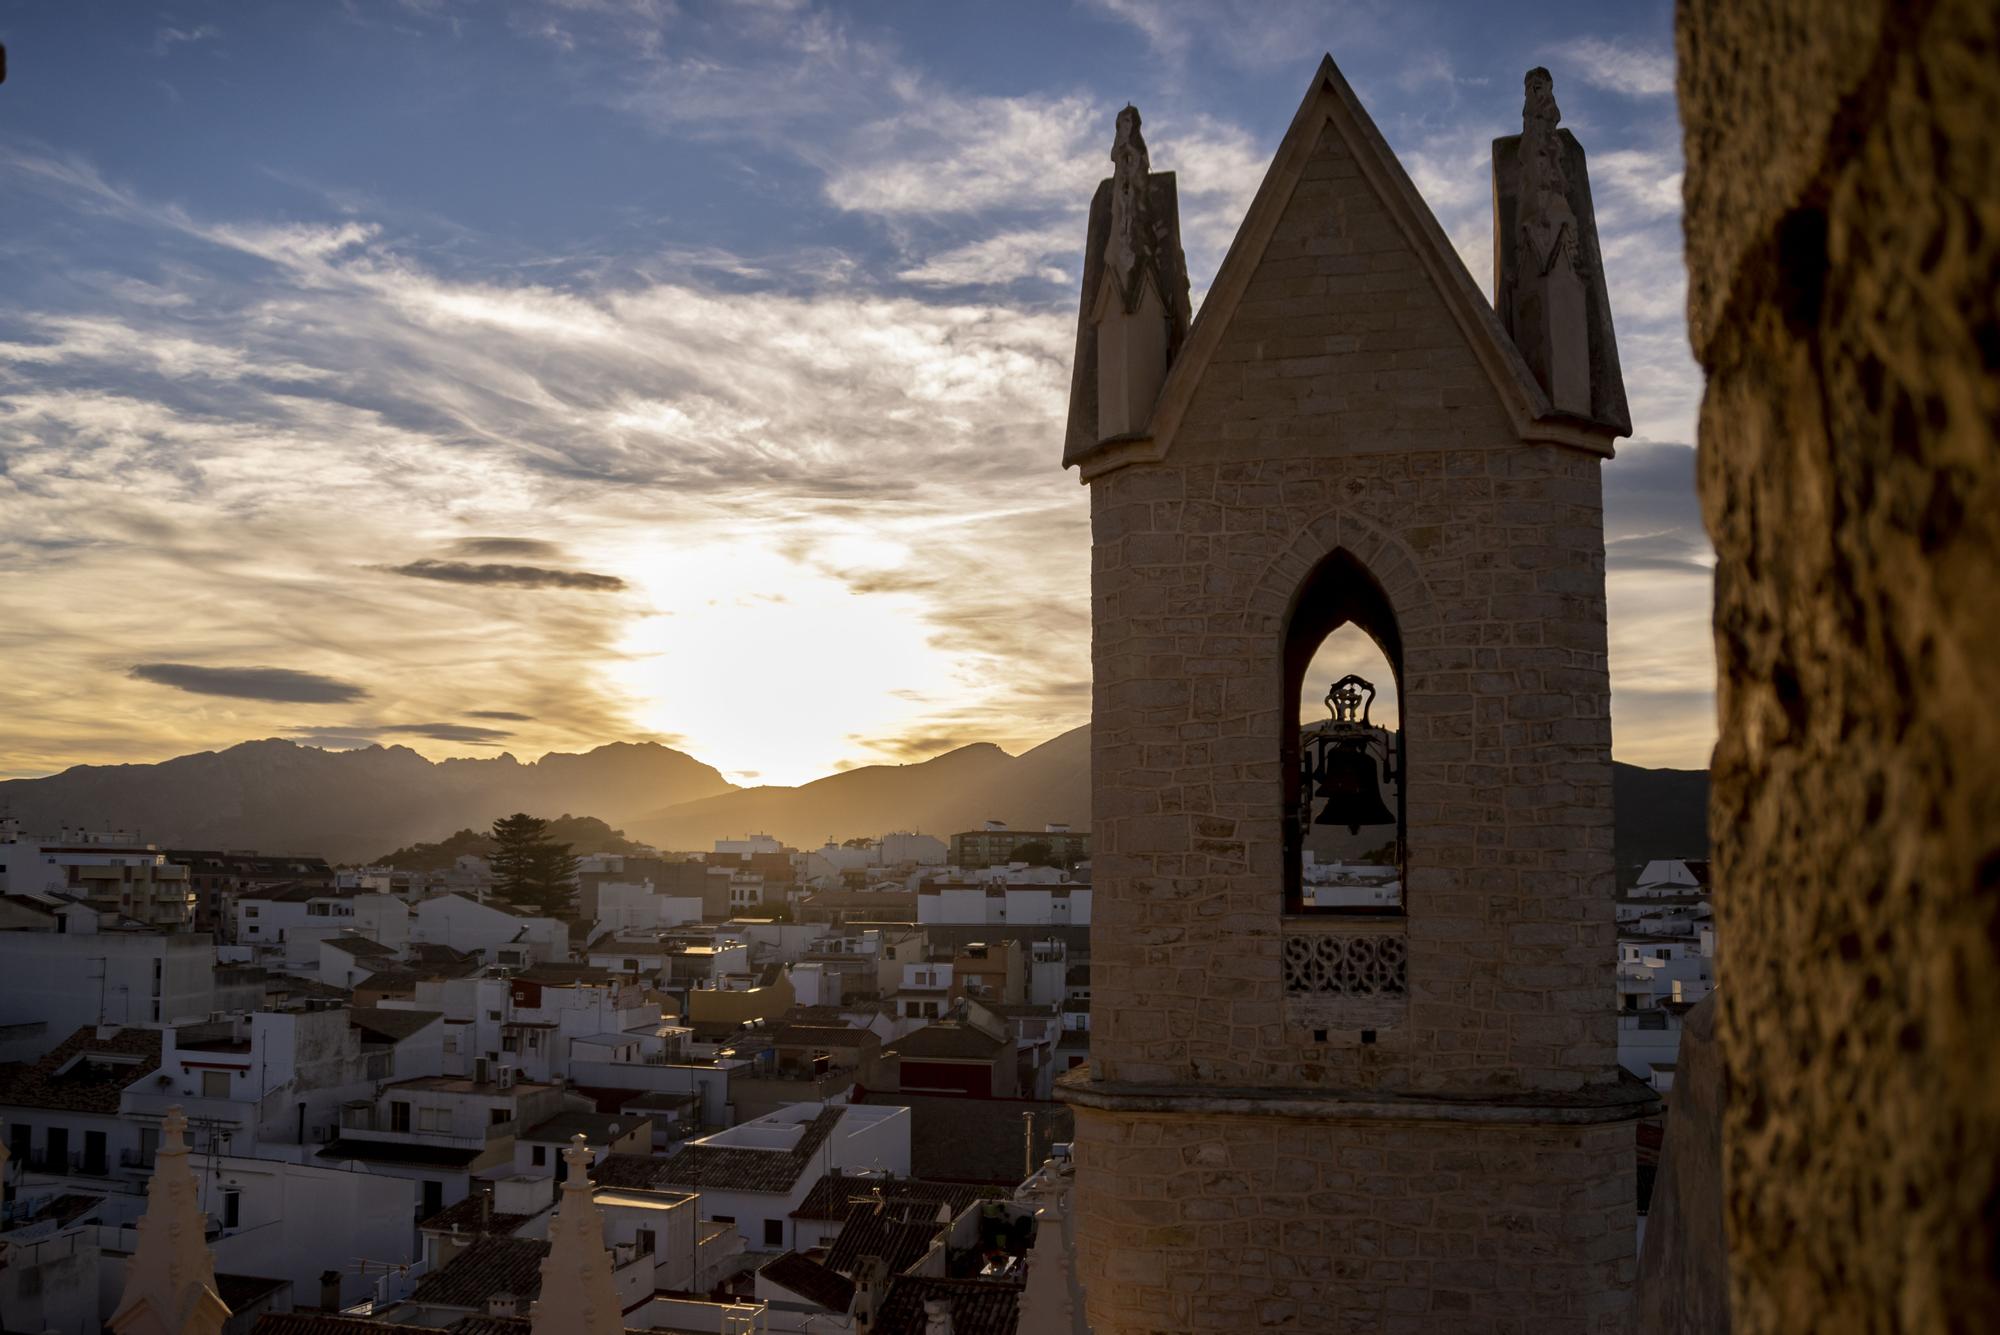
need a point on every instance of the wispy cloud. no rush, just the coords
(802, 410)
(1620, 67)
(165, 39)
(250, 683)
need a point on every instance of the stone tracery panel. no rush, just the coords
(1372, 965)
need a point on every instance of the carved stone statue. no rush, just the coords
(1134, 312)
(1131, 176)
(1547, 223)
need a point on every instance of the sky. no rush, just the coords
(483, 375)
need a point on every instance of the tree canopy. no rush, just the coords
(530, 869)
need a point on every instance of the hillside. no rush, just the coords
(1662, 813)
(955, 791)
(584, 834)
(280, 797)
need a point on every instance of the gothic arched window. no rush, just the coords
(1343, 750)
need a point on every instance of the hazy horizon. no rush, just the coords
(527, 376)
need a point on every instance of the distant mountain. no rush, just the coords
(1660, 813)
(955, 791)
(280, 797)
(584, 834)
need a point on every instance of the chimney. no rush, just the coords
(871, 1279)
(937, 1316)
(329, 1290)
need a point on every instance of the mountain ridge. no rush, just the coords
(282, 797)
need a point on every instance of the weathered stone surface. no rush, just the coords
(1232, 1223)
(1843, 225)
(1684, 1268)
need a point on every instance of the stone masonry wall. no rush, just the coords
(1345, 408)
(1843, 227)
(1244, 1223)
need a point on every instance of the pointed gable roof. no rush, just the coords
(1330, 103)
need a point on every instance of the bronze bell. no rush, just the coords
(1348, 785)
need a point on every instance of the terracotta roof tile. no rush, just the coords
(978, 1306)
(731, 1168)
(486, 1267)
(811, 1280)
(66, 1079)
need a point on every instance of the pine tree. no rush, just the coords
(530, 869)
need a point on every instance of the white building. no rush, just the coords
(1351, 885)
(625, 906)
(906, 848)
(1042, 896)
(749, 845)
(67, 981)
(1671, 876)
(111, 870)
(756, 1174)
(287, 922)
(1659, 980)
(495, 934)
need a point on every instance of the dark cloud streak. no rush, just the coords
(282, 685)
(439, 732)
(510, 576)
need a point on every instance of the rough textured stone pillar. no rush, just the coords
(1684, 1268)
(1843, 230)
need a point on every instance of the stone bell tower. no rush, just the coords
(1406, 1116)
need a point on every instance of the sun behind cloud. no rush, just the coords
(769, 667)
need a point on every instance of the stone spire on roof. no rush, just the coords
(578, 1296)
(1549, 291)
(1134, 311)
(170, 1280)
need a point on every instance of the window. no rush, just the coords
(1344, 754)
(434, 1119)
(249, 910)
(539, 1157)
(232, 1209)
(215, 1084)
(433, 1200)
(495, 1116)
(451, 1043)
(724, 1219)
(493, 1015)
(399, 1116)
(774, 1232)
(509, 1043)
(644, 1241)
